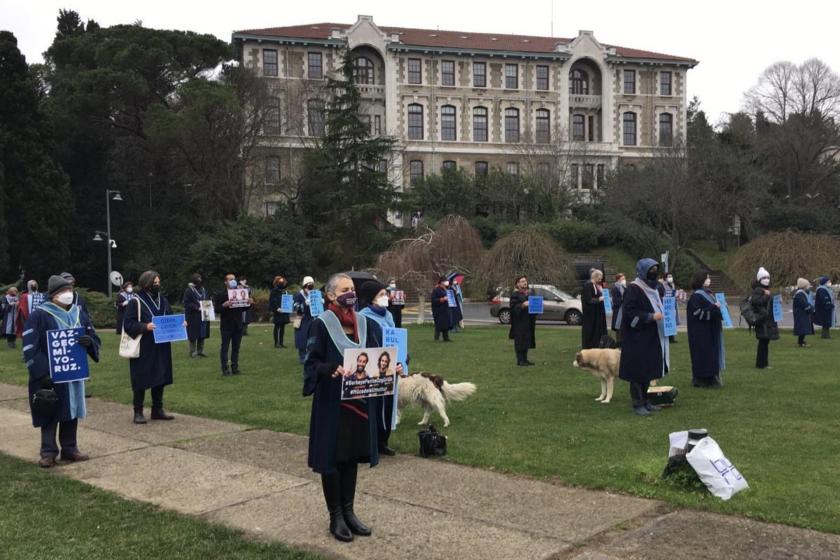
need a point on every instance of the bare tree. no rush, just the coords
(784, 89)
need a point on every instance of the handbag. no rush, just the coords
(296, 321)
(45, 402)
(432, 442)
(130, 347)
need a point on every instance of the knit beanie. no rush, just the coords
(762, 273)
(57, 284)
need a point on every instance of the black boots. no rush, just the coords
(339, 493)
(159, 414)
(348, 494)
(138, 415)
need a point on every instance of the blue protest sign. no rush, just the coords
(670, 316)
(316, 303)
(778, 314)
(724, 310)
(535, 305)
(286, 303)
(450, 295)
(397, 338)
(811, 299)
(607, 302)
(68, 358)
(169, 328)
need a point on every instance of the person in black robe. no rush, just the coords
(247, 312)
(824, 306)
(440, 309)
(125, 295)
(766, 328)
(153, 369)
(617, 297)
(278, 317)
(395, 306)
(522, 322)
(78, 299)
(303, 315)
(705, 334)
(803, 311)
(198, 330)
(231, 327)
(594, 317)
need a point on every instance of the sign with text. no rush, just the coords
(169, 328)
(397, 338)
(535, 305)
(450, 296)
(239, 297)
(316, 303)
(398, 297)
(368, 372)
(287, 302)
(778, 313)
(670, 316)
(68, 358)
(208, 312)
(607, 301)
(724, 310)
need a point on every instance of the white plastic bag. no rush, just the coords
(717, 473)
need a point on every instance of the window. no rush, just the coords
(543, 169)
(578, 128)
(449, 165)
(664, 83)
(542, 77)
(588, 176)
(574, 172)
(579, 84)
(480, 124)
(601, 175)
(415, 71)
(377, 125)
(272, 117)
(271, 208)
(368, 124)
(630, 81)
(511, 125)
(415, 121)
(543, 126)
(447, 73)
(447, 123)
(315, 114)
(362, 70)
(415, 171)
(513, 168)
(481, 168)
(272, 170)
(666, 129)
(269, 62)
(512, 76)
(479, 74)
(590, 120)
(315, 69)
(629, 129)
(382, 166)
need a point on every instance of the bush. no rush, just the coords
(787, 256)
(531, 252)
(573, 235)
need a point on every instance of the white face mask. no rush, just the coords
(707, 282)
(381, 301)
(65, 298)
(670, 279)
(446, 284)
(828, 284)
(130, 289)
(764, 281)
(392, 285)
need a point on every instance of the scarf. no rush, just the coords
(708, 296)
(347, 318)
(656, 302)
(64, 318)
(305, 296)
(379, 315)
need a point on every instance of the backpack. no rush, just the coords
(747, 311)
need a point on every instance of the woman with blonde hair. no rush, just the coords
(594, 316)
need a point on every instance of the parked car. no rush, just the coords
(557, 305)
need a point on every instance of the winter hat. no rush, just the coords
(307, 280)
(823, 280)
(57, 284)
(802, 284)
(762, 273)
(368, 291)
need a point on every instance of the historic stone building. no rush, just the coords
(475, 101)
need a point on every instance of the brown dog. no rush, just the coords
(603, 364)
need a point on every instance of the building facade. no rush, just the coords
(474, 101)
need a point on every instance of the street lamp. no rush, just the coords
(109, 196)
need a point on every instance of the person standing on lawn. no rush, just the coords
(803, 311)
(247, 312)
(824, 306)
(28, 301)
(617, 296)
(231, 326)
(278, 317)
(198, 330)
(645, 354)
(58, 313)
(303, 315)
(522, 322)
(395, 306)
(440, 309)
(78, 300)
(594, 325)
(670, 290)
(766, 328)
(705, 334)
(125, 295)
(9, 312)
(153, 368)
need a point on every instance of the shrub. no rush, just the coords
(573, 235)
(787, 256)
(531, 252)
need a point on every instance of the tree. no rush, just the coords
(785, 89)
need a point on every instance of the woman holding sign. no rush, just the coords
(342, 433)
(303, 315)
(705, 334)
(153, 369)
(522, 323)
(594, 315)
(803, 324)
(766, 328)
(57, 315)
(279, 317)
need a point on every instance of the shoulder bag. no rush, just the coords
(130, 347)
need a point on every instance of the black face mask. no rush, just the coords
(652, 275)
(198, 281)
(154, 290)
(281, 284)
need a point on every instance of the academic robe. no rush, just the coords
(196, 328)
(71, 396)
(642, 358)
(594, 324)
(154, 366)
(301, 307)
(440, 309)
(27, 304)
(322, 358)
(705, 336)
(9, 312)
(394, 308)
(522, 323)
(671, 291)
(824, 307)
(123, 298)
(248, 312)
(802, 310)
(617, 296)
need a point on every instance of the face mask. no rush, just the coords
(392, 285)
(309, 286)
(764, 282)
(155, 289)
(446, 284)
(652, 274)
(129, 289)
(707, 282)
(347, 299)
(623, 283)
(281, 284)
(232, 284)
(828, 284)
(382, 301)
(198, 282)
(670, 279)
(65, 298)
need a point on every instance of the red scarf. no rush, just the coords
(347, 318)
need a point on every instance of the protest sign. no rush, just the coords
(778, 313)
(607, 301)
(724, 310)
(398, 297)
(316, 303)
(535, 305)
(208, 312)
(368, 372)
(670, 316)
(450, 296)
(239, 297)
(169, 328)
(68, 358)
(397, 338)
(287, 302)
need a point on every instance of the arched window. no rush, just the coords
(480, 124)
(543, 126)
(666, 129)
(315, 117)
(578, 128)
(415, 121)
(579, 82)
(448, 123)
(363, 70)
(511, 125)
(629, 121)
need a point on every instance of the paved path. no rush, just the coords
(257, 481)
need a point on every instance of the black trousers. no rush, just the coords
(801, 339)
(157, 397)
(66, 438)
(383, 423)
(279, 334)
(340, 487)
(396, 313)
(826, 332)
(438, 333)
(521, 356)
(638, 393)
(762, 354)
(232, 340)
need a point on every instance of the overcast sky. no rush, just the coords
(733, 40)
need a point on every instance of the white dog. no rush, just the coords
(603, 364)
(432, 393)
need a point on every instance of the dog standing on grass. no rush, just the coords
(603, 364)
(432, 393)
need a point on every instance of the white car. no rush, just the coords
(557, 305)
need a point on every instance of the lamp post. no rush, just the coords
(109, 196)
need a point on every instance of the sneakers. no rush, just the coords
(652, 407)
(640, 411)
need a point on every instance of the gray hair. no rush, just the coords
(333, 282)
(596, 273)
(147, 279)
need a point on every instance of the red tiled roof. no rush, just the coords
(456, 40)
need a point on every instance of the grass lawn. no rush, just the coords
(49, 516)
(779, 427)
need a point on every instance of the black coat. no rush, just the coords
(322, 359)
(154, 366)
(196, 328)
(522, 323)
(617, 297)
(766, 327)
(275, 300)
(594, 317)
(121, 303)
(230, 318)
(705, 324)
(641, 350)
(440, 309)
(802, 314)
(824, 307)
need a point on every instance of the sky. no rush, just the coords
(733, 40)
